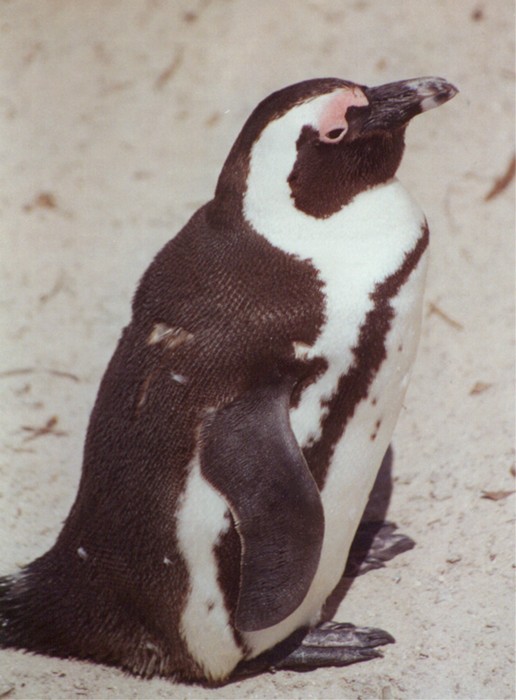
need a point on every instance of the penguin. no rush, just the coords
(241, 422)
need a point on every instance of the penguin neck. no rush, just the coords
(317, 180)
(227, 206)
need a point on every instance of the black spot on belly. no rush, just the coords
(369, 354)
(376, 429)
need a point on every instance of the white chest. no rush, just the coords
(354, 250)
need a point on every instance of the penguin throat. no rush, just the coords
(326, 177)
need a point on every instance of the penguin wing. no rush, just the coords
(250, 455)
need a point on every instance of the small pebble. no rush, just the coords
(454, 558)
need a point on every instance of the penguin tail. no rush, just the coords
(14, 610)
(31, 605)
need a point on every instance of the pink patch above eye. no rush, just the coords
(333, 117)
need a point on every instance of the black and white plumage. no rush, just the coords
(242, 420)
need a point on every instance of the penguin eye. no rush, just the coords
(334, 135)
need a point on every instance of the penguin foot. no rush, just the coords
(329, 644)
(375, 543)
(335, 644)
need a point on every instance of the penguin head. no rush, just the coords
(321, 142)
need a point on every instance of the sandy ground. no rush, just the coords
(116, 116)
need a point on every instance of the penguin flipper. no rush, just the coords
(250, 455)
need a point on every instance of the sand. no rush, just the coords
(115, 117)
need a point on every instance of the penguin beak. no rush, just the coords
(393, 105)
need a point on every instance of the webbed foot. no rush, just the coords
(335, 644)
(329, 644)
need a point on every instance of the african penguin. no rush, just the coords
(242, 419)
